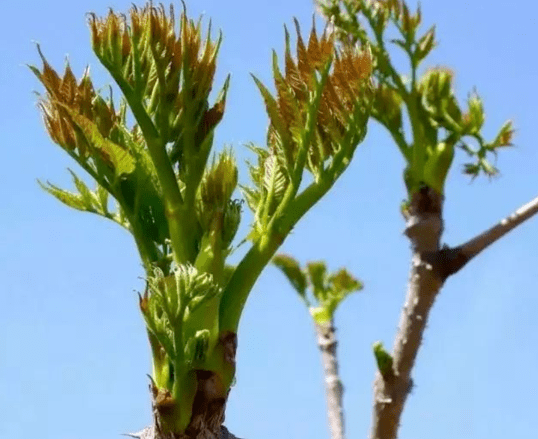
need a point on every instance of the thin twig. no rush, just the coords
(454, 259)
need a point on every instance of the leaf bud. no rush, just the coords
(425, 44)
(474, 118)
(232, 218)
(383, 359)
(506, 133)
(219, 182)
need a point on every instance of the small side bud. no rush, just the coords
(384, 360)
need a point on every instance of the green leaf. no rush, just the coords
(120, 158)
(203, 298)
(255, 195)
(317, 272)
(476, 117)
(252, 196)
(425, 45)
(343, 283)
(232, 219)
(287, 103)
(88, 196)
(102, 196)
(292, 270)
(140, 154)
(120, 217)
(504, 138)
(196, 346)
(275, 180)
(70, 199)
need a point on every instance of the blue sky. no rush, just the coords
(73, 350)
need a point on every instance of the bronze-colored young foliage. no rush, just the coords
(178, 204)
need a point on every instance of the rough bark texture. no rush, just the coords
(424, 227)
(333, 385)
(430, 267)
(207, 409)
(149, 433)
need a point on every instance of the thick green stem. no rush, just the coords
(419, 149)
(243, 279)
(302, 203)
(261, 252)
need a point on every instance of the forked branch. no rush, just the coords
(454, 259)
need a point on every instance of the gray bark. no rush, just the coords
(333, 384)
(430, 267)
(424, 227)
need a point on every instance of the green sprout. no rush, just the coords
(438, 123)
(383, 359)
(328, 290)
(179, 204)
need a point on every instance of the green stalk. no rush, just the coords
(180, 222)
(184, 387)
(304, 202)
(419, 149)
(381, 44)
(243, 279)
(260, 254)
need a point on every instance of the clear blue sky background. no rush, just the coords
(73, 351)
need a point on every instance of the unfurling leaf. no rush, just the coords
(196, 346)
(435, 88)
(232, 218)
(102, 196)
(88, 196)
(474, 119)
(387, 107)
(68, 198)
(219, 182)
(167, 71)
(343, 283)
(120, 158)
(506, 133)
(471, 169)
(425, 45)
(292, 270)
(328, 290)
(317, 274)
(316, 109)
(275, 180)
